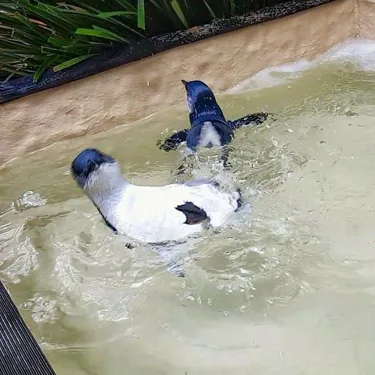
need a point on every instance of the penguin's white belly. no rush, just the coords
(209, 135)
(156, 232)
(155, 225)
(150, 215)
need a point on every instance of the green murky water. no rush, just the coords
(287, 290)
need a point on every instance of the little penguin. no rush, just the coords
(208, 126)
(151, 214)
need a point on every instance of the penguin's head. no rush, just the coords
(92, 167)
(201, 101)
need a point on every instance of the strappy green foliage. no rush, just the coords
(37, 35)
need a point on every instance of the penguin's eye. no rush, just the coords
(91, 166)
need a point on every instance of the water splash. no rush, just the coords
(359, 52)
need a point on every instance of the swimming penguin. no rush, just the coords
(151, 214)
(208, 126)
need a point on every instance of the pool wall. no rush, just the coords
(365, 19)
(138, 89)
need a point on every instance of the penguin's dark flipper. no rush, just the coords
(172, 142)
(250, 120)
(194, 215)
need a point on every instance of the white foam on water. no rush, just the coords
(360, 52)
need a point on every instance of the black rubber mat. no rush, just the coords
(20, 354)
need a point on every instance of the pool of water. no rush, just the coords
(288, 289)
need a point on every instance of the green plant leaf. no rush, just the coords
(176, 7)
(69, 63)
(34, 31)
(126, 5)
(141, 22)
(30, 26)
(57, 23)
(43, 67)
(99, 34)
(212, 13)
(14, 71)
(105, 31)
(232, 7)
(106, 15)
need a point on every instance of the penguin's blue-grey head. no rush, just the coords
(92, 166)
(202, 103)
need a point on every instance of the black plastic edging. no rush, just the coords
(114, 58)
(19, 351)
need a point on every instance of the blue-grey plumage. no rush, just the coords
(208, 125)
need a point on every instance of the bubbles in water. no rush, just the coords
(43, 308)
(29, 199)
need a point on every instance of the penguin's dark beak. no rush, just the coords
(184, 82)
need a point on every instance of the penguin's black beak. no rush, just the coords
(184, 82)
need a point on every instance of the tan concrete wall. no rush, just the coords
(139, 89)
(365, 18)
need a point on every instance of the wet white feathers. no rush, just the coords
(149, 214)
